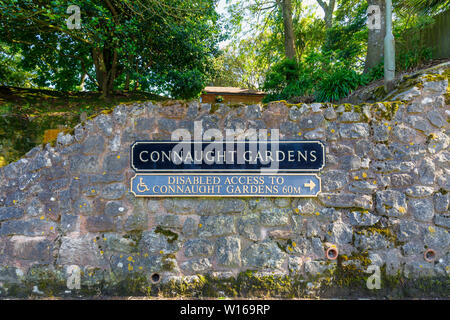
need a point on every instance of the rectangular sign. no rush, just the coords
(225, 185)
(230, 157)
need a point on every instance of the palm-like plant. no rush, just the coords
(424, 6)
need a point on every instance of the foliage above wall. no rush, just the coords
(145, 45)
(332, 56)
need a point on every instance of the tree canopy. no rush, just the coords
(165, 46)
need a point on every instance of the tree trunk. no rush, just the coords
(127, 82)
(128, 78)
(112, 72)
(375, 41)
(82, 81)
(328, 9)
(136, 84)
(105, 63)
(289, 45)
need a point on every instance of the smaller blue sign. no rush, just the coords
(225, 185)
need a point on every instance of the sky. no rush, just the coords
(221, 9)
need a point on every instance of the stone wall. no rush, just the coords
(68, 207)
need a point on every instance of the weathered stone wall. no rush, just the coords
(384, 202)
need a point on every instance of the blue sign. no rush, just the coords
(229, 157)
(225, 185)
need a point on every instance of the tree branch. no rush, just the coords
(323, 5)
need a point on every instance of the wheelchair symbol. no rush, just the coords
(141, 186)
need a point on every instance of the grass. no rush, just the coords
(26, 114)
(43, 101)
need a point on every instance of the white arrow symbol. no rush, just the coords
(310, 185)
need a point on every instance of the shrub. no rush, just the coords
(338, 83)
(412, 58)
(186, 85)
(285, 80)
(281, 75)
(375, 73)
